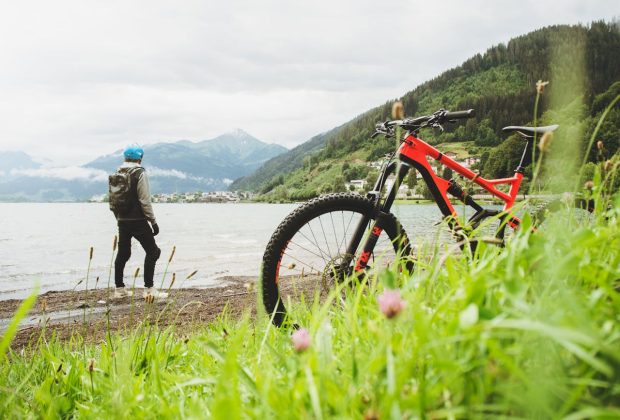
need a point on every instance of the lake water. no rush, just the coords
(48, 244)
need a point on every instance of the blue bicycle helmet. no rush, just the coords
(133, 152)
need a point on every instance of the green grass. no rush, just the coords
(527, 331)
(460, 148)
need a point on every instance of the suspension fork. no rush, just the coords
(381, 211)
(371, 241)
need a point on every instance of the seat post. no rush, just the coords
(520, 167)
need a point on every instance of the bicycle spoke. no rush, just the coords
(305, 249)
(324, 236)
(335, 235)
(344, 234)
(315, 240)
(301, 262)
(315, 244)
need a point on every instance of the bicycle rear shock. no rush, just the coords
(457, 191)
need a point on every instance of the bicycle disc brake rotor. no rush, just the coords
(336, 270)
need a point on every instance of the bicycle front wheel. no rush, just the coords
(308, 250)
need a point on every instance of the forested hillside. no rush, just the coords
(582, 64)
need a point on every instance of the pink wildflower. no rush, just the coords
(390, 303)
(301, 340)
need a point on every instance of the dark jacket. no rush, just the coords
(140, 195)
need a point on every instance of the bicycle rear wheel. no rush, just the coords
(308, 249)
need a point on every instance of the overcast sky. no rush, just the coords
(82, 78)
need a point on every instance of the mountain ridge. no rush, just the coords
(182, 165)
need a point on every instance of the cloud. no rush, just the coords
(69, 173)
(156, 172)
(169, 173)
(79, 173)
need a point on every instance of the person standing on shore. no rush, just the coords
(130, 201)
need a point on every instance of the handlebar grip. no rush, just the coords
(459, 114)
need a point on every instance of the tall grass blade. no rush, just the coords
(11, 330)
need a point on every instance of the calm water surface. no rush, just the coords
(48, 244)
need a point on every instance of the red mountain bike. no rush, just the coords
(333, 236)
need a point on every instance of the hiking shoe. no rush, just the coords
(121, 292)
(151, 294)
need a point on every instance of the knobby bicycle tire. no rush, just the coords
(303, 216)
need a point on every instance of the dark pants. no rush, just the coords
(141, 230)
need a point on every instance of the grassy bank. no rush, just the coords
(531, 330)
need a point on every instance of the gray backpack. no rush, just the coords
(119, 190)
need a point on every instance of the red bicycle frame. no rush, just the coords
(415, 151)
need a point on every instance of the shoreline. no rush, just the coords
(65, 314)
(210, 283)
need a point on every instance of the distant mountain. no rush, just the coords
(16, 160)
(284, 163)
(238, 148)
(229, 156)
(208, 165)
(498, 84)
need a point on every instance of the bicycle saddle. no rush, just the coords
(528, 132)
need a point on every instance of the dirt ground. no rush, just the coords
(84, 313)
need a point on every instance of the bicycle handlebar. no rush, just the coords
(414, 124)
(459, 114)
